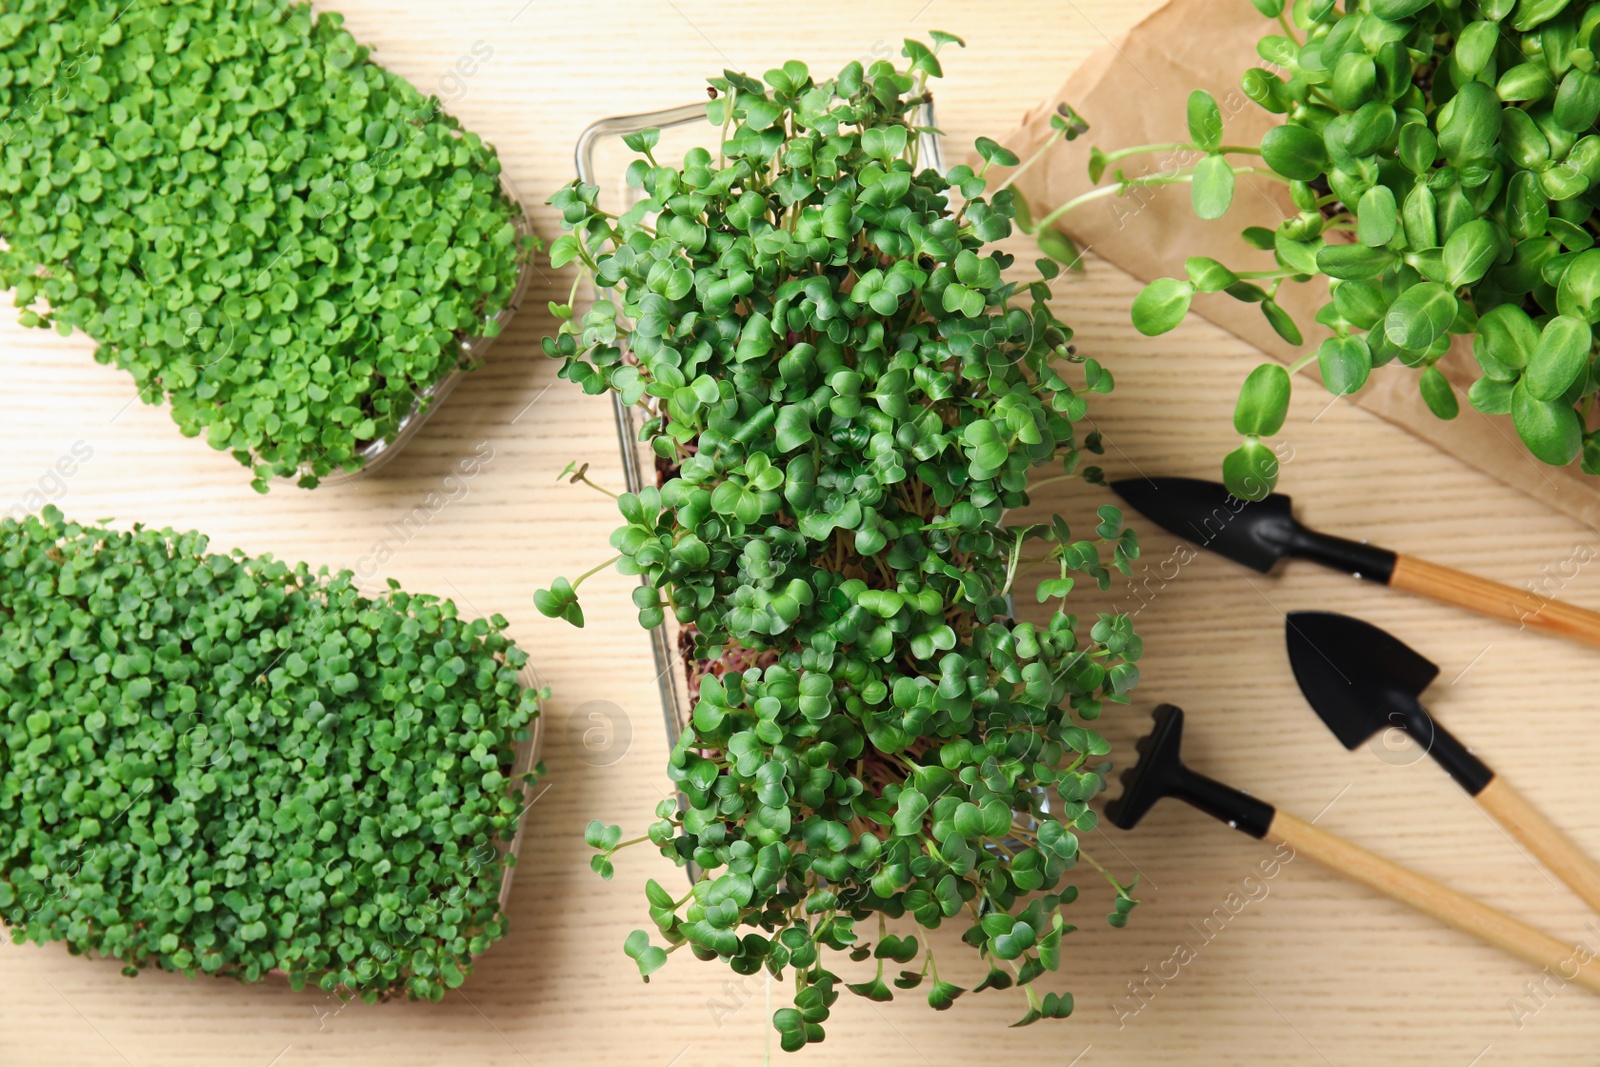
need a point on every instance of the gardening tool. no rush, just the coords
(1261, 533)
(1161, 772)
(1361, 680)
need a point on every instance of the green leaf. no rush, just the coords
(1437, 393)
(883, 142)
(1378, 217)
(1505, 341)
(1491, 397)
(1359, 304)
(1097, 165)
(1161, 305)
(1207, 275)
(1470, 252)
(793, 428)
(1258, 237)
(1417, 148)
(1250, 472)
(1059, 247)
(909, 812)
(1205, 125)
(1294, 152)
(1212, 187)
(1578, 101)
(942, 995)
(1345, 363)
(1469, 124)
(1561, 355)
(1552, 431)
(1420, 315)
(1300, 256)
(1393, 10)
(1263, 401)
(960, 298)
(1353, 262)
(1527, 210)
(873, 989)
(1578, 293)
(1531, 13)
(994, 152)
(1281, 323)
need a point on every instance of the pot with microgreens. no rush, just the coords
(1442, 159)
(291, 247)
(223, 764)
(845, 397)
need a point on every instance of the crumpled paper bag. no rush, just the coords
(1134, 91)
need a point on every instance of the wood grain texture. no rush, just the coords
(1520, 606)
(1454, 909)
(1301, 966)
(1542, 838)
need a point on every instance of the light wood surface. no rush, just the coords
(1302, 966)
(1520, 606)
(1569, 963)
(1535, 832)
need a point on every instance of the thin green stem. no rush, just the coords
(1180, 146)
(1107, 875)
(727, 120)
(584, 478)
(579, 581)
(631, 840)
(1139, 149)
(1056, 478)
(1183, 177)
(1022, 168)
(1011, 565)
(1288, 27)
(1302, 362)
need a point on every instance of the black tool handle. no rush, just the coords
(1470, 772)
(1365, 561)
(1224, 803)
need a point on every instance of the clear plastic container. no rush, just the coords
(527, 758)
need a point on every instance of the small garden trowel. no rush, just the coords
(1362, 680)
(1261, 533)
(1160, 772)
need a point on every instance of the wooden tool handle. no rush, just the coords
(1553, 848)
(1495, 600)
(1429, 897)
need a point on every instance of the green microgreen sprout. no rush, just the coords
(1443, 160)
(845, 398)
(278, 237)
(222, 764)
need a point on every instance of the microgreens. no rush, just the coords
(1443, 159)
(227, 765)
(283, 239)
(847, 398)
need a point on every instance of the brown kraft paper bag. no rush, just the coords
(1134, 91)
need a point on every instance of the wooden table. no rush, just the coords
(1301, 967)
